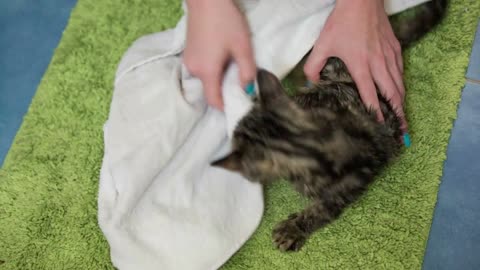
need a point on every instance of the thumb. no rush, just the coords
(212, 85)
(315, 63)
(243, 55)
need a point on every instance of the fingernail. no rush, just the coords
(406, 140)
(250, 89)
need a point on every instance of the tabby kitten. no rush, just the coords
(323, 139)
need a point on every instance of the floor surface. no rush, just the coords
(454, 241)
(30, 32)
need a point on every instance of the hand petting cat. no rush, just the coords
(358, 32)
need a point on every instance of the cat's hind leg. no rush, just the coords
(291, 234)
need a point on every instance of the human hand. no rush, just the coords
(216, 33)
(359, 33)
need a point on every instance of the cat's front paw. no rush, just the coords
(287, 236)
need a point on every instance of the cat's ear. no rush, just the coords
(231, 162)
(270, 88)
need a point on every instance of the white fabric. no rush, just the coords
(161, 206)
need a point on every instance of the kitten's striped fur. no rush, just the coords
(323, 139)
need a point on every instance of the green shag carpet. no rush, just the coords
(49, 181)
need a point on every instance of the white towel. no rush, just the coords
(161, 205)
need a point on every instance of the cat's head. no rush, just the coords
(265, 143)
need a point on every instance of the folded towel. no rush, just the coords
(161, 205)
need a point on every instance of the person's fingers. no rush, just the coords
(397, 48)
(363, 79)
(212, 85)
(403, 119)
(315, 62)
(394, 61)
(382, 77)
(388, 88)
(243, 55)
(389, 36)
(393, 68)
(190, 63)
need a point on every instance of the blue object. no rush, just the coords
(250, 89)
(473, 72)
(29, 33)
(406, 140)
(454, 241)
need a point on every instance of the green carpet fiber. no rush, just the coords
(49, 181)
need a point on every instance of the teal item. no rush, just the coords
(250, 89)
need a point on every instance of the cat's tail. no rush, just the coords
(412, 28)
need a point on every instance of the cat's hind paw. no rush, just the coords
(287, 236)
